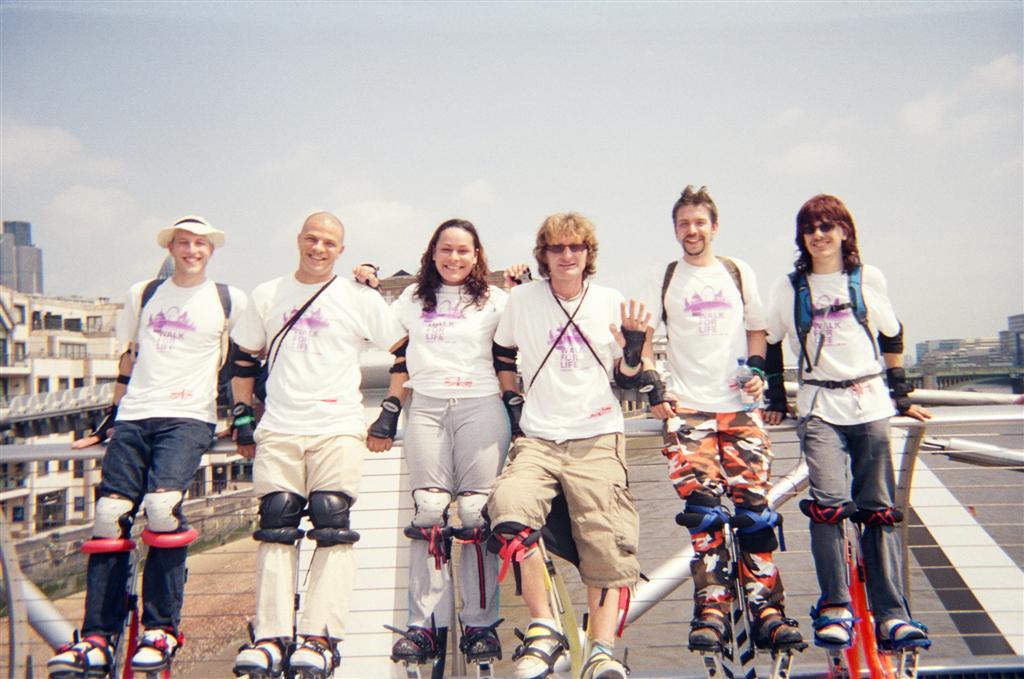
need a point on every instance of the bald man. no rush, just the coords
(308, 447)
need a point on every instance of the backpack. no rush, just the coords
(670, 271)
(223, 372)
(804, 312)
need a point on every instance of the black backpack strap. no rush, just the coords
(149, 291)
(859, 306)
(734, 273)
(670, 271)
(224, 293)
(801, 316)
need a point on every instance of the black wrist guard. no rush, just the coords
(243, 424)
(386, 424)
(757, 365)
(514, 407)
(652, 386)
(775, 399)
(102, 430)
(634, 345)
(899, 388)
(623, 380)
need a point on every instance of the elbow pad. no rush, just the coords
(626, 381)
(499, 352)
(652, 386)
(891, 345)
(244, 364)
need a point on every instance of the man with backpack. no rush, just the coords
(715, 323)
(841, 324)
(160, 424)
(309, 446)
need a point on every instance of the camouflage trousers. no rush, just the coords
(711, 455)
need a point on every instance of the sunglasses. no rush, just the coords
(824, 227)
(576, 248)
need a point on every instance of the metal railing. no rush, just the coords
(922, 458)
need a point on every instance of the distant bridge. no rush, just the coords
(947, 378)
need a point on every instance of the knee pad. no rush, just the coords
(879, 517)
(163, 511)
(280, 515)
(328, 512)
(702, 515)
(823, 514)
(473, 511)
(510, 541)
(431, 507)
(113, 517)
(755, 530)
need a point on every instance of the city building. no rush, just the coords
(21, 262)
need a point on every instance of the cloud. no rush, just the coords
(791, 116)
(91, 209)
(809, 157)
(984, 102)
(33, 150)
(376, 216)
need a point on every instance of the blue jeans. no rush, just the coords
(159, 453)
(833, 452)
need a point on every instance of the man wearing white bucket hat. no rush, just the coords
(160, 424)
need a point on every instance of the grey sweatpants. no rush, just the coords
(834, 453)
(458, 445)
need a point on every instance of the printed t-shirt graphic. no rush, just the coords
(571, 397)
(314, 380)
(180, 347)
(708, 321)
(847, 352)
(449, 354)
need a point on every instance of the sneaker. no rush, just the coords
(833, 626)
(155, 651)
(774, 631)
(896, 633)
(262, 658)
(602, 665)
(708, 631)
(88, 657)
(542, 645)
(315, 657)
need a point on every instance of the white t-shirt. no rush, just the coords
(314, 380)
(449, 354)
(571, 397)
(847, 351)
(708, 321)
(181, 348)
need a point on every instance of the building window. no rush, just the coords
(42, 468)
(93, 323)
(79, 504)
(19, 314)
(104, 380)
(78, 469)
(53, 321)
(72, 350)
(19, 351)
(42, 385)
(198, 487)
(18, 513)
(73, 324)
(51, 510)
(78, 383)
(37, 320)
(63, 465)
(63, 384)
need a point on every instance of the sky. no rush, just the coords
(117, 118)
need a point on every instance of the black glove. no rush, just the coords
(634, 345)
(102, 430)
(899, 388)
(652, 386)
(514, 406)
(386, 424)
(243, 424)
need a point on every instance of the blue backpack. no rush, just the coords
(804, 313)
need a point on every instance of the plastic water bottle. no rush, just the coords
(743, 375)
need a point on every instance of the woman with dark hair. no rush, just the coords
(840, 321)
(456, 438)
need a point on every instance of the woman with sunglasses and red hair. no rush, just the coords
(840, 322)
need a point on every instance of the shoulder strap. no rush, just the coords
(860, 309)
(279, 337)
(147, 294)
(802, 313)
(734, 273)
(670, 271)
(224, 293)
